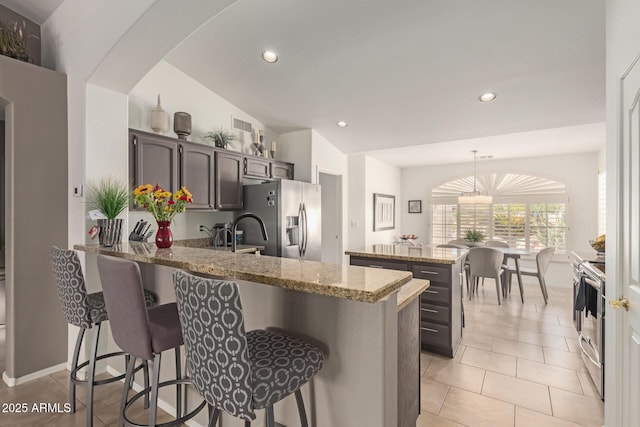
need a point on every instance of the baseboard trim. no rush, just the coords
(12, 382)
(168, 408)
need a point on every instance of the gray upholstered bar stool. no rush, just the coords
(84, 310)
(142, 333)
(234, 371)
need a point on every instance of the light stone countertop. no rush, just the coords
(429, 254)
(410, 291)
(340, 281)
(205, 243)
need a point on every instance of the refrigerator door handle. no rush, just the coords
(305, 230)
(300, 230)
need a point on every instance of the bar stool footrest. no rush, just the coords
(74, 373)
(146, 391)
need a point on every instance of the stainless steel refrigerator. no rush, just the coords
(291, 211)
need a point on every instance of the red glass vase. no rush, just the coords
(164, 238)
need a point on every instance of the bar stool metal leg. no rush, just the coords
(301, 411)
(271, 422)
(91, 375)
(146, 383)
(153, 411)
(213, 416)
(74, 367)
(178, 385)
(128, 379)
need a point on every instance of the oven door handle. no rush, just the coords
(582, 339)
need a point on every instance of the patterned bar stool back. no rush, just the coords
(234, 370)
(79, 308)
(216, 343)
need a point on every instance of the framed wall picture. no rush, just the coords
(415, 206)
(384, 212)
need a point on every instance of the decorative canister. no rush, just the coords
(182, 124)
(110, 232)
(159, 119)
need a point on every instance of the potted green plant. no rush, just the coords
(13, 41)
(220, 137)
(473, 237)
(109, 196)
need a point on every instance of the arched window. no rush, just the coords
(527, 212)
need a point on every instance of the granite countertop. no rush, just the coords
(341, 281)
(410, 291)
(411, 253)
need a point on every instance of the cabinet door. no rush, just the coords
(257, 168)
(154, 160)
(281, 170)
(228, 179)
(197, 174)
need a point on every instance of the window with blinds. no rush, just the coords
(529, 212)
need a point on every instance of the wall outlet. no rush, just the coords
(200, 228)
(76, 191)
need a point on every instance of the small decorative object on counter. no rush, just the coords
(159, 119)
(109, 198)
(164, 206)
(273, 149)
(408, 239)
(221, 138)
(13, 41)
(599, 244)
(182, 124)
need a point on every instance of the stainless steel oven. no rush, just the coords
(589, 318)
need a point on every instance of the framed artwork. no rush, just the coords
(384, 212)
(415, 206)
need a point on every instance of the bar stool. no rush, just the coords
(234, 371)
(142, 333)
(84, 311)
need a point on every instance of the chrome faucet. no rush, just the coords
(234, 227)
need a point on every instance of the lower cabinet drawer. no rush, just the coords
(434, 334)
(437, 294)
(376, 263)
(435, 273)
(434, 313)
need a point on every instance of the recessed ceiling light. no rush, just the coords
(341, 124)
(269, 56)
(487, 97)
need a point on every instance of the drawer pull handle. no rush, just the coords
(375, 266)
(428, 272)
(428, 310)
(430, 330)
(431, 292)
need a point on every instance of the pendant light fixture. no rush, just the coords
(474, 197)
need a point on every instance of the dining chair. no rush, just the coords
(543, 259)
(465, 264)
(496, 244)
(458, 242)
(485, 262)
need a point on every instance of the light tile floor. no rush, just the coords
(518, 366)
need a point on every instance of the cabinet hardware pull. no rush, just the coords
(374, 266)
(430, 330)
(428, 272)
(431, 292)
(135, 140)
(429, 310)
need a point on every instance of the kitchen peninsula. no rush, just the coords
(441, 304)
(350, 312)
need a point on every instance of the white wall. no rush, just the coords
(366, 177)
(296, 147)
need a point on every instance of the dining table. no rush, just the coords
(515, 254)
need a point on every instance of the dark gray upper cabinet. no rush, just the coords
(153, 160)
(281, 170)
(228, 181)
(255, 167)
(197, 173)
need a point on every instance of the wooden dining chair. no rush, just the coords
(485, 262)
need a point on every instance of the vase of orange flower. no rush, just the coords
(164, 206)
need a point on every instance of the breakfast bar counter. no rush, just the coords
(356, 315)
